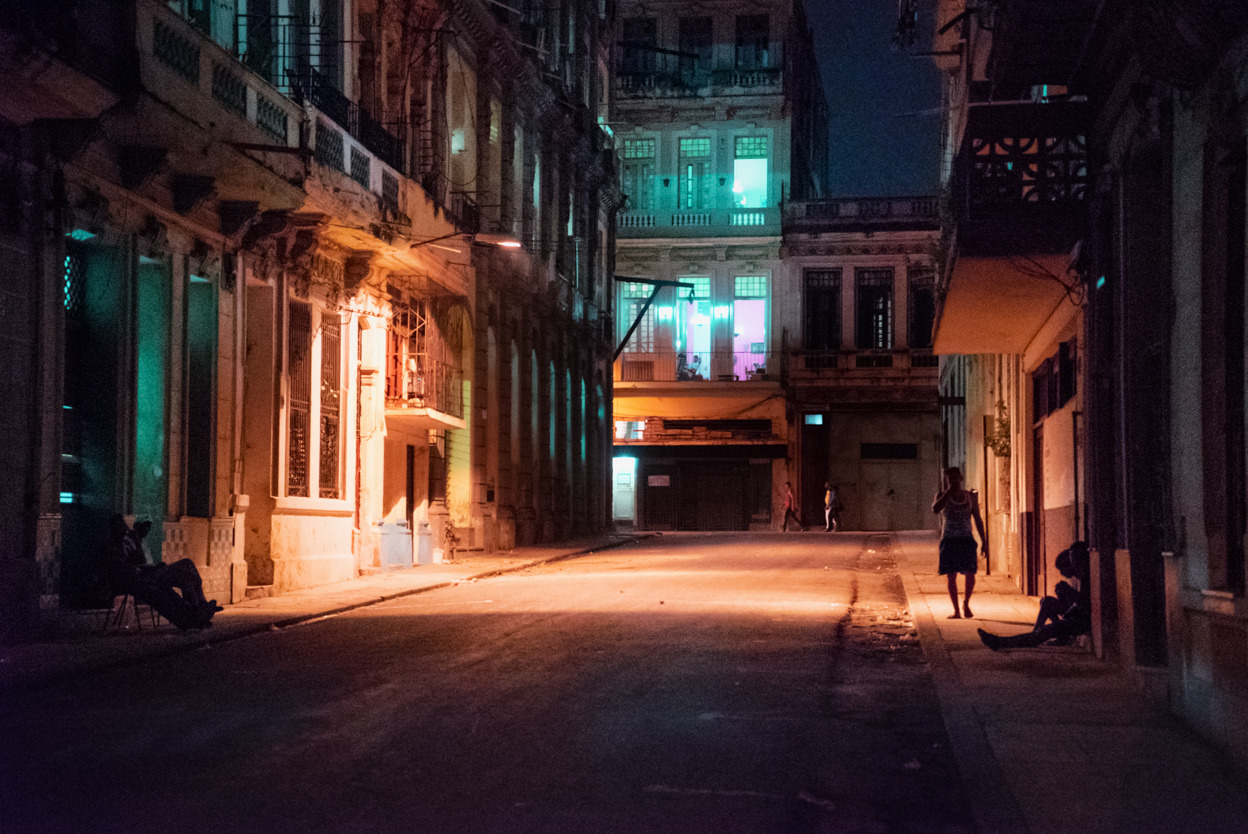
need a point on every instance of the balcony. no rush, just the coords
(670, 76)
(1020, 179)
(714, 367)
(424, 393)
(1018, 192)
(898, 366)
(310, 85)
(859, 215)
(56, 67)
(699, 223)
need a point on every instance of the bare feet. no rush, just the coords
(966, 611)
(954, 616)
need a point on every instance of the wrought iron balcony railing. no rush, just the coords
(849, 213)
(713, 366)
(420, 380)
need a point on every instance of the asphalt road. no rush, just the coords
(691, 683)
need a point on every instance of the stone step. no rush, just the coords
(259, 591)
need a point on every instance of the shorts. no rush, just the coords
(960, 555)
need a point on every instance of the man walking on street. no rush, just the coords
(790, 509)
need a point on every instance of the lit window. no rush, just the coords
(693, 336)
(637, 174)
(749, 326)
(749, 172)
(693, 186)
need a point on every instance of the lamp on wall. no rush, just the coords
(484, 238)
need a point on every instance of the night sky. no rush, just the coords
(875, 150)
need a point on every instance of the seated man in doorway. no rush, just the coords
(174, 590)
(1064, 616)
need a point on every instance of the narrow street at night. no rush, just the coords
(687, 683)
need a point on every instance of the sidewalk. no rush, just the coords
(1052, 740)
(81, 647)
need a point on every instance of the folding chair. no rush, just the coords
(117, 614)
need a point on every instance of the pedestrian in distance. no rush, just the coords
(958, 507)
(832, 506)
(790, 509)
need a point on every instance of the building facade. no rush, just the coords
(1116, 131)
(256, 275)
(858, 372)
(719, 120)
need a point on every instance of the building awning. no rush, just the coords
(689, 403)
(998, 304)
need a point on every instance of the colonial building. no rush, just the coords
(1096, 291)
(719, 120)
(253, 251)
(859, 377)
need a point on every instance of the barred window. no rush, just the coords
(299, 426)
(821, 311)
(331, 395)
(875, 309)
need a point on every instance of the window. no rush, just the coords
(640, 40)
(693, 323)
(875, 309)
(331, 397)
(821, 310)
(1223, 373)
(749, 172)
(753, 34)
(693, 188)
(299, 425)
(1054, 382)
(749, 326)
(696, 44)
(888, 451)
(922, 308)
(633, 299)
(638, 173)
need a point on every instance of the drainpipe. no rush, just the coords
(987, 529)
(1074, 429)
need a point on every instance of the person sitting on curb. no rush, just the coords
(1064, 616)
(174, 590)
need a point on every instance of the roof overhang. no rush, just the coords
(998, 305)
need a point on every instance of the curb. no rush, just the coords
(993, 806)
(208, 642)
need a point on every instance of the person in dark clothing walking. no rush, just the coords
(790, 509)
(958, 508)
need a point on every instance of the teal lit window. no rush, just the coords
(813, 419)
(749, 172)
(693, 186)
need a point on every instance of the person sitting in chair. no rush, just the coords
(1064, 616)
(174, 590)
